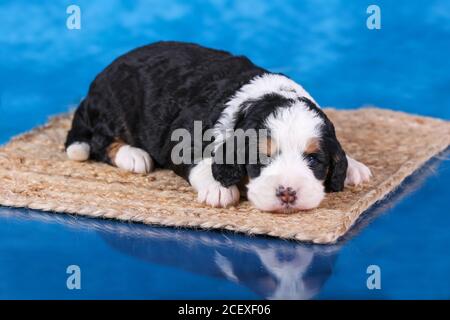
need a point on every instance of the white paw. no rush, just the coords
(210, 191)
(133, 159)
(357, 172)
(78, 151)
(218, 196)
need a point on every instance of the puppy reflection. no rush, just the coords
(273, 270)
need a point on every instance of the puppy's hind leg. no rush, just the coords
(78, 138)
(129, 158)
(78, 151)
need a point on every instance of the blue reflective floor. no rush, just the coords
(324, 45)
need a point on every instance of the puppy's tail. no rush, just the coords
(79, 137)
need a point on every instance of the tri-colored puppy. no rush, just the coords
(139, 100)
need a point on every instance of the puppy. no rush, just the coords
(136, 104)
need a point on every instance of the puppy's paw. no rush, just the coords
(218, 196)
(357, 172)
(133, 159)
(78, 151)
(210, 191)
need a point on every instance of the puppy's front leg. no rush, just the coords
(211, 191)
(357, 172)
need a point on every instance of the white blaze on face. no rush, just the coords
(291, 128)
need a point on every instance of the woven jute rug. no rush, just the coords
(35, 173)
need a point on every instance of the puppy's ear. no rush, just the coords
(228, 170)
(337, 170)
(228, 174)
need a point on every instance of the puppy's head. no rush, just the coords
(298, 161)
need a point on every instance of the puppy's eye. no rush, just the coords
(312, 159)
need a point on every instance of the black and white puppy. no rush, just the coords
(139, 100)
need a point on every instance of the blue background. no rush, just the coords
(325, 46)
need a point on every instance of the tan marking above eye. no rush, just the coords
(312, 146)
(113, 148)
(268, 146)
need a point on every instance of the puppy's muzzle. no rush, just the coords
(287, 196)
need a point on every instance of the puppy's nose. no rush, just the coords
(286, 195)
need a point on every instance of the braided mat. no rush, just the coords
(35, 173)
